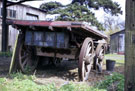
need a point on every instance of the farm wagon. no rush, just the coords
(57, 40)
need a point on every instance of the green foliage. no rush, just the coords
(80, 10)
(7, 54)
(111, 80)
(50, 6)
(108, 5)
(73, 12)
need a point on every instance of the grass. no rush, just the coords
(118, 58)
(24, 85)
(20, 82)
(5, 54)
(115, 82)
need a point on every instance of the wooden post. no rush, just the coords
(4, 27)
(130, 46)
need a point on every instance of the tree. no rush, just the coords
(108, 5)
(112, 25)
(77, 11)
(50, 6)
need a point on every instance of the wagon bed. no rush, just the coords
(78, 27)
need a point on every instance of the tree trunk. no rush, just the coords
(130, 46)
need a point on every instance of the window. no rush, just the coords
(31, 16)
(10, 13)
(121, 42)
(14, 14)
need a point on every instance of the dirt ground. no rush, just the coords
(63, 73)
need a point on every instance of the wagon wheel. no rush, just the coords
(27, 59)
(100, 51)
(85, 59)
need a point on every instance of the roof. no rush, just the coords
(118, 32)
(59, 24)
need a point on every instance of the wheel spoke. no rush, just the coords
(25, 56)
(88, 51)
(86, 69)
(25, 62)
(101, 52)
(23, 50)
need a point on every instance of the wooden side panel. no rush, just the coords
(47, 39)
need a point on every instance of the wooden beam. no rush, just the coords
(130, 46)
(4, 27)
(19, 2)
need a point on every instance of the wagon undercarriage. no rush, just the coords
(57, 40)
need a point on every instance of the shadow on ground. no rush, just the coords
(4, 66)
(67, 70)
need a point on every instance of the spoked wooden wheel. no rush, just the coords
(100, 51)
(27, 59)
(85, 59)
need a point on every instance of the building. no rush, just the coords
(20, 12)
(117, 42)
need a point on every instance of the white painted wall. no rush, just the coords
(22, 12)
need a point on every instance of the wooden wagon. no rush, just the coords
(57, 40)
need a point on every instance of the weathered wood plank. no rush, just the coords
(130, 46)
